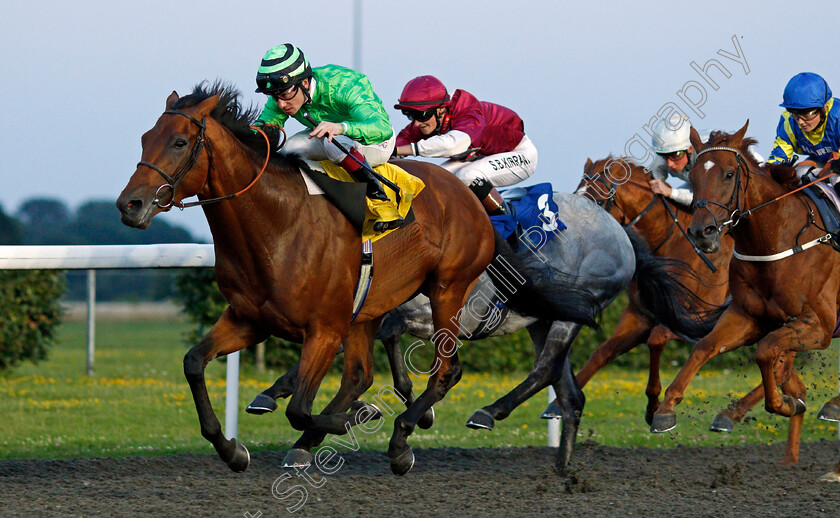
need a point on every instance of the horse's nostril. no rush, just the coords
(710, 230)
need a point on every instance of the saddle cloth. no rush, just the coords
(348, 195)
(531, 215)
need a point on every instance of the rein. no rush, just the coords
(173, 181)
(737, 214)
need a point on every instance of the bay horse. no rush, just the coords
(595, 252)
(787, 303)
(287, 263)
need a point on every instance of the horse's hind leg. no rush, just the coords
(571, 401)
(446, 300)
(552, 340)
(356, 378)
(227, 335)
(794, 388)
(392, 328)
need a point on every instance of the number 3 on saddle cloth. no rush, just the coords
(530, 216)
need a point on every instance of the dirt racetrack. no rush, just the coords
(603, 482)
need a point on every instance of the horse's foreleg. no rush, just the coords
(658, 339)
(631, 330)
(572, 401)
(227, 335)
(737, 410)
(732, 331)
(265, 401)
(552, 340)
(444, 374)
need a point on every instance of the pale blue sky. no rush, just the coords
(83, 80)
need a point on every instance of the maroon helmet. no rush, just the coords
(422, 93)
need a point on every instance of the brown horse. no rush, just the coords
(621, 187)
(287, 263)
(785, 304)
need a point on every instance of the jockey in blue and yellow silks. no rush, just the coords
(810, 125)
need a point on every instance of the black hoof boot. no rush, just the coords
(241, 458)
(402, 463)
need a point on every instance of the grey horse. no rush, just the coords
(596, 254)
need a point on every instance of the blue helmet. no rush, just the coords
(806, 90)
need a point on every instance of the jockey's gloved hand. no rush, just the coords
(835, 166)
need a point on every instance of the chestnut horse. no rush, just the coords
(287, 264)
(621, 187)
(786, 303)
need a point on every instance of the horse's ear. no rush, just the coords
(738, 137)
(696, 142)
(207, 105)
(170, 101)
(587, 168)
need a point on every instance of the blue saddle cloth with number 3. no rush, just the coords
(531, 215)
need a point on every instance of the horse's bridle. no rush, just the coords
(737, 213)
(612, 189)
(189, 163)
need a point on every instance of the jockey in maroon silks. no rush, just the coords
(485, 143)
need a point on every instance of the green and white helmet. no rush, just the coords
(281, 67)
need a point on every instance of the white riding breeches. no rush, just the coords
(322, 149)
(501, 169)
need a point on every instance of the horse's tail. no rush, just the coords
(534, 288)
(667, 299)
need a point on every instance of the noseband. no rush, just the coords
(189, 163)
(737, 213)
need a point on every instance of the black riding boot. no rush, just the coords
(356, 164)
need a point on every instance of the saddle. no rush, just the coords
(827, 201)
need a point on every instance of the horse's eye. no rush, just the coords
(179, 143)
(729, 174)
(600, 203)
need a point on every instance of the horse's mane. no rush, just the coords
(783, 174)
(231, 114)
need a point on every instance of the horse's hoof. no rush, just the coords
(261, 404)
(721, 424)
(552, 411)
(829, 412)
(297, 458)
(663, 423)
(481, 420)
(241, 458)
(402, 463)
(798, 405)
(830, 477)
(428, 419)
(372, 412)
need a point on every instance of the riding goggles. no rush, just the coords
(420, 116)
(806, 114)
(676, 155)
